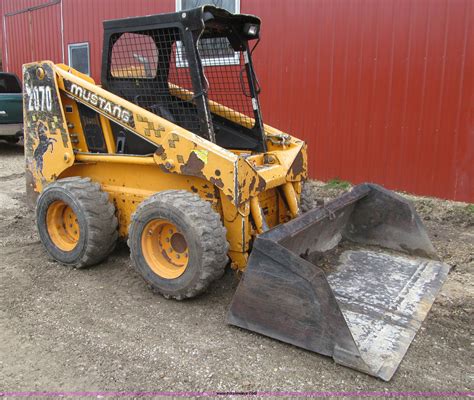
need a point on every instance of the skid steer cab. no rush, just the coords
(171, 153)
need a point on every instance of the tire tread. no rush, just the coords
(100, 217)
(310, 196)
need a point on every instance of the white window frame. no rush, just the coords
(206, 62)
(72, 46)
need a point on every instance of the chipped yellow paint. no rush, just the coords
(202, 155)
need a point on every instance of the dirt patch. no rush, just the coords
(102, 328)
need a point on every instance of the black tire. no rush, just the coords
(95, 216)
(12, 139)
(203, 232)
(310, 197)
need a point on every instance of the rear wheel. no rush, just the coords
(12, 139)
(310, 196)
(76, 222)
(177, 243)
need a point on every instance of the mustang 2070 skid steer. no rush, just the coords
(171, 152)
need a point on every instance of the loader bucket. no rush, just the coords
(353, 280)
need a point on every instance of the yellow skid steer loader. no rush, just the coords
(171, 152)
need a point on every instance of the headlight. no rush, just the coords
(251, 29)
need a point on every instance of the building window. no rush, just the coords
(230, 5)
(79, 57)
(216, 51)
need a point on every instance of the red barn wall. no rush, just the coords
(381, 91)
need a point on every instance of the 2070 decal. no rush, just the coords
(40, 98)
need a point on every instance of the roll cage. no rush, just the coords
(193, 68)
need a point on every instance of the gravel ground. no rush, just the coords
(101, 328)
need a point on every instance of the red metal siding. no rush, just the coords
(46, 33)
(83, 21)
(31, 33)
(2, 44)
(382, 91)
(11, 6)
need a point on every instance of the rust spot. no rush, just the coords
(193, 166)
(209, 195)
(261, 184)
(252, 184)
(166, 256)
(194, 189)
(217, 172)
(206, 186)
(178, 242)
(159, 150)
(163, 168)
(217, 182)
(31, 189)
(298, 164)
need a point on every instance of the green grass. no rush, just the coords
(470, 208)
(337, 183)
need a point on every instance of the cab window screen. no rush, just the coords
(148, 76)
(134, 56)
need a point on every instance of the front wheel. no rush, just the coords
(178, 243)
(310, 196)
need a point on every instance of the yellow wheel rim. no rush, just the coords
(62, 225)
(165, 249)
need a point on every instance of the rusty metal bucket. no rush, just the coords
(353, 280)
